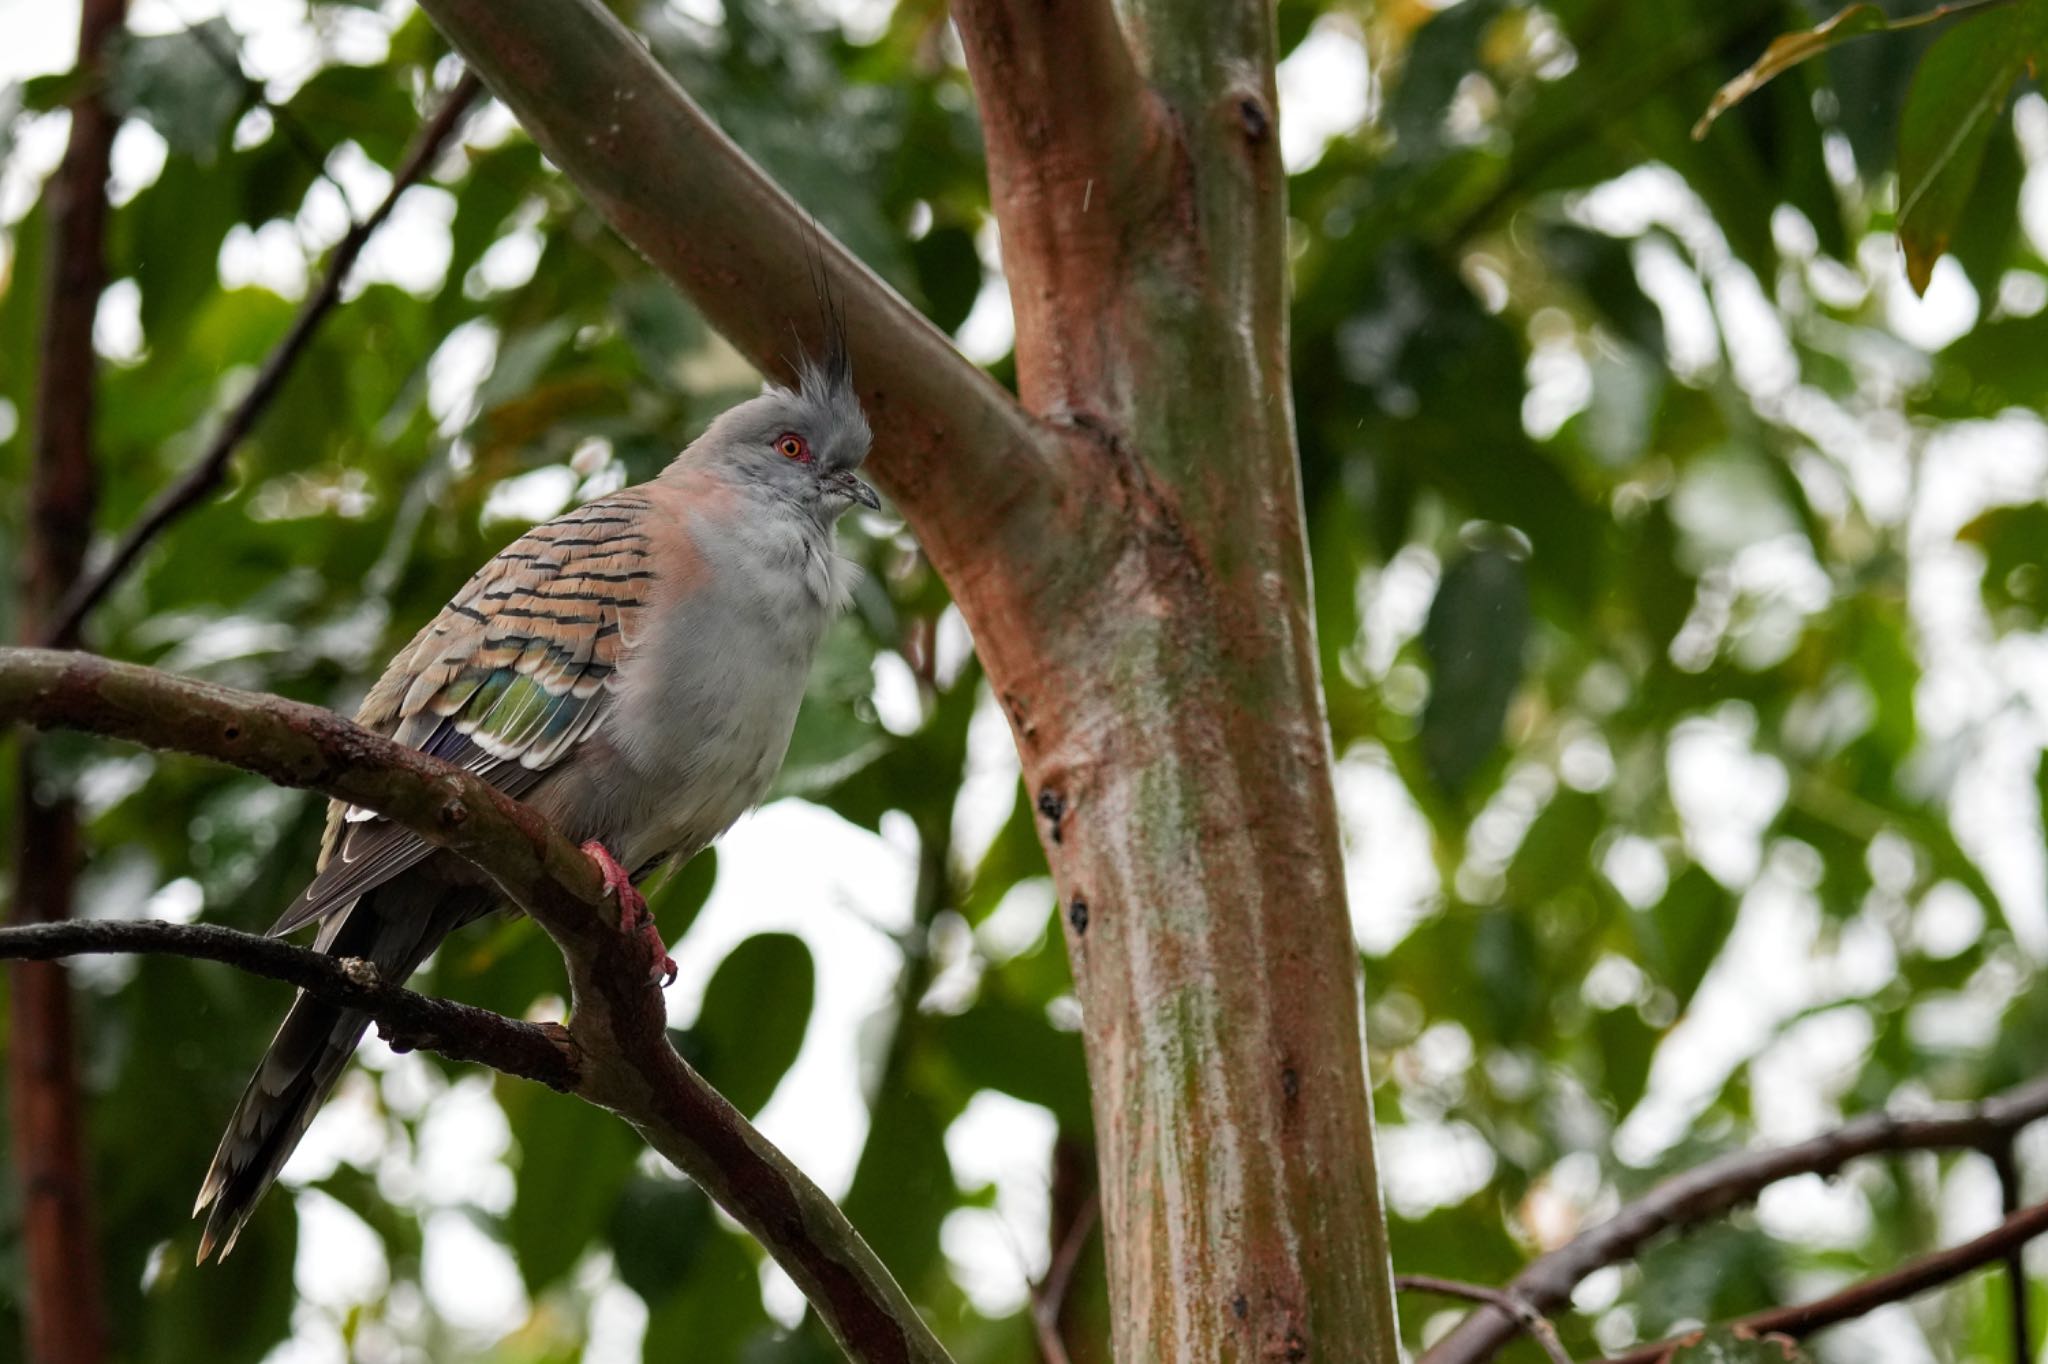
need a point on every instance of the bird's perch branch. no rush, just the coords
(1709, 1190)
(210, 469)
(1930, 1271)
(2004, 1162)
(618, 1027)
(954, 451)
(408, 1020)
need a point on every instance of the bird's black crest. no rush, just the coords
(824, 371)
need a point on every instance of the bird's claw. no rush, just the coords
(634, 916)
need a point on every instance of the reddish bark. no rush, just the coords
(63, 1317)
(1160, 675)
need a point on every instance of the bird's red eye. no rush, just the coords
(794, 447)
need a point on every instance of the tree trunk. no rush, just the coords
(62, 1316)
(1163, 690)
(1127, 548)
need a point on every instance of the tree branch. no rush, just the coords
(618, 1024)
(1528, 1318)
(210, 469)
(955, 452)
(408, 1020)
(2016, 1263)
(294, 744)
(1049, 1295)
(1930, 1271)
(1714, 1188)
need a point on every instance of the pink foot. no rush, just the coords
(633, 915)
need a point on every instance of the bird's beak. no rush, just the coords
(856, 491)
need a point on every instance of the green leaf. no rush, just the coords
(1986, 240)
(1956, 99)
(1012, 856)
(657, 1232)
(1789, 50)
(2041, 786)
(1557, 850)
(187, 85)
(1474, 639)
(1002, 1045)
(1442, 53)
(1627, 1046)
(2014, 542)
(574, 1159)
(1682, 933)
(1604, 270)
(1503, 949)
(233, 1310)
(521, 360)
(715, 1311)
(42, 94)
(752, 1024)
(678, 898)
(948, 272)
(903, 1187)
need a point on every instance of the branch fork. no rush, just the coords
(615, 1051)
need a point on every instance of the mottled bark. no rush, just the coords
(1126, 544)
(1166, 701)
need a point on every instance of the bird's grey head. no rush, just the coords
(803, 444)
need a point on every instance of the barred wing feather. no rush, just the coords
(506, 681)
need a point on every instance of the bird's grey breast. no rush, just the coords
(710, 693)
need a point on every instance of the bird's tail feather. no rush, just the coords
(312, 1046)
(393, 926)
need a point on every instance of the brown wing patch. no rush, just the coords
(512, 674)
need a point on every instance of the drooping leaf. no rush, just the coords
(1789, 50)
(752, 1024)
(1681, 935)
(188, 85)
(1557, 850)
(712, 1314)
(1956, 99)
(1474, 639)
(573, 1160)
(657, 1229)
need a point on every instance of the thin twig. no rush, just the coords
(1532, 1321)
(1050, 1294)
(210, 469)
(1916, 1277)
(408, 1020)
(2016, 1263)
(1707, 1191)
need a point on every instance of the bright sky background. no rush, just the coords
(850, 889)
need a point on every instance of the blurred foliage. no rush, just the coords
(1719, 1347)
(1680, 591)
